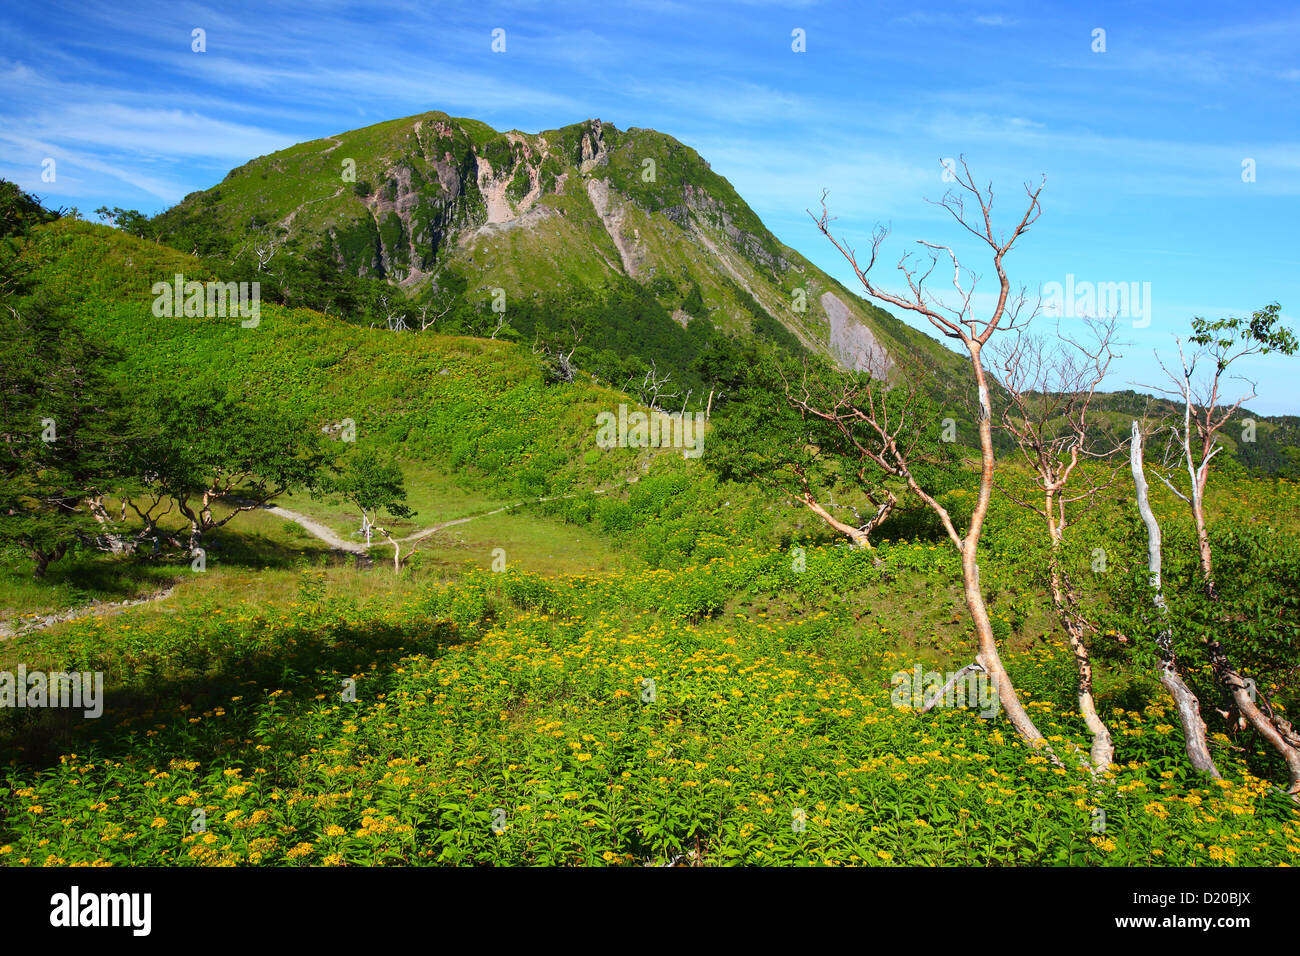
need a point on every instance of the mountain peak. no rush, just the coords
(431, 201)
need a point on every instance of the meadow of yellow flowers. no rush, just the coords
(631, 718)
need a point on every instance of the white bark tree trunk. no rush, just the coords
(1189, 707)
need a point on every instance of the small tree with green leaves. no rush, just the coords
(1197, 384)
(63, 433)
(205, 447)
(373, 486)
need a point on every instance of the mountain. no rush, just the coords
(627, 237)
(434, 204)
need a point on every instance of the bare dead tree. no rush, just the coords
(928, 705)
(112, 539)
(859, 532)
(428, 323)
(877, 426)
(559, 362)
(654, 388)
(882, 499)
(1050, 387)
(394, 316)
(438, 313)
(369, 524)
(264, 246)
(959, 322)
(1196, 441)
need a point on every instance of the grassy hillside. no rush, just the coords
(475, 423)
(478, 406)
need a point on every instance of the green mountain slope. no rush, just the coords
(472, 404)
(431, 203)
(482, 412)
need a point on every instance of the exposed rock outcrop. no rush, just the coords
(851, 343)
(594, 151)
(609, 207)
(711, 211)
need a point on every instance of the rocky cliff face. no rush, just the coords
(446, 187)
(852, 343)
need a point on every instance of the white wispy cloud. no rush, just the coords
(25, 165)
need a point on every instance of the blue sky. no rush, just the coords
(1142, 145)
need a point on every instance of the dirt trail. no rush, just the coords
(328, 535)
(15, 626)
(322, 532)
